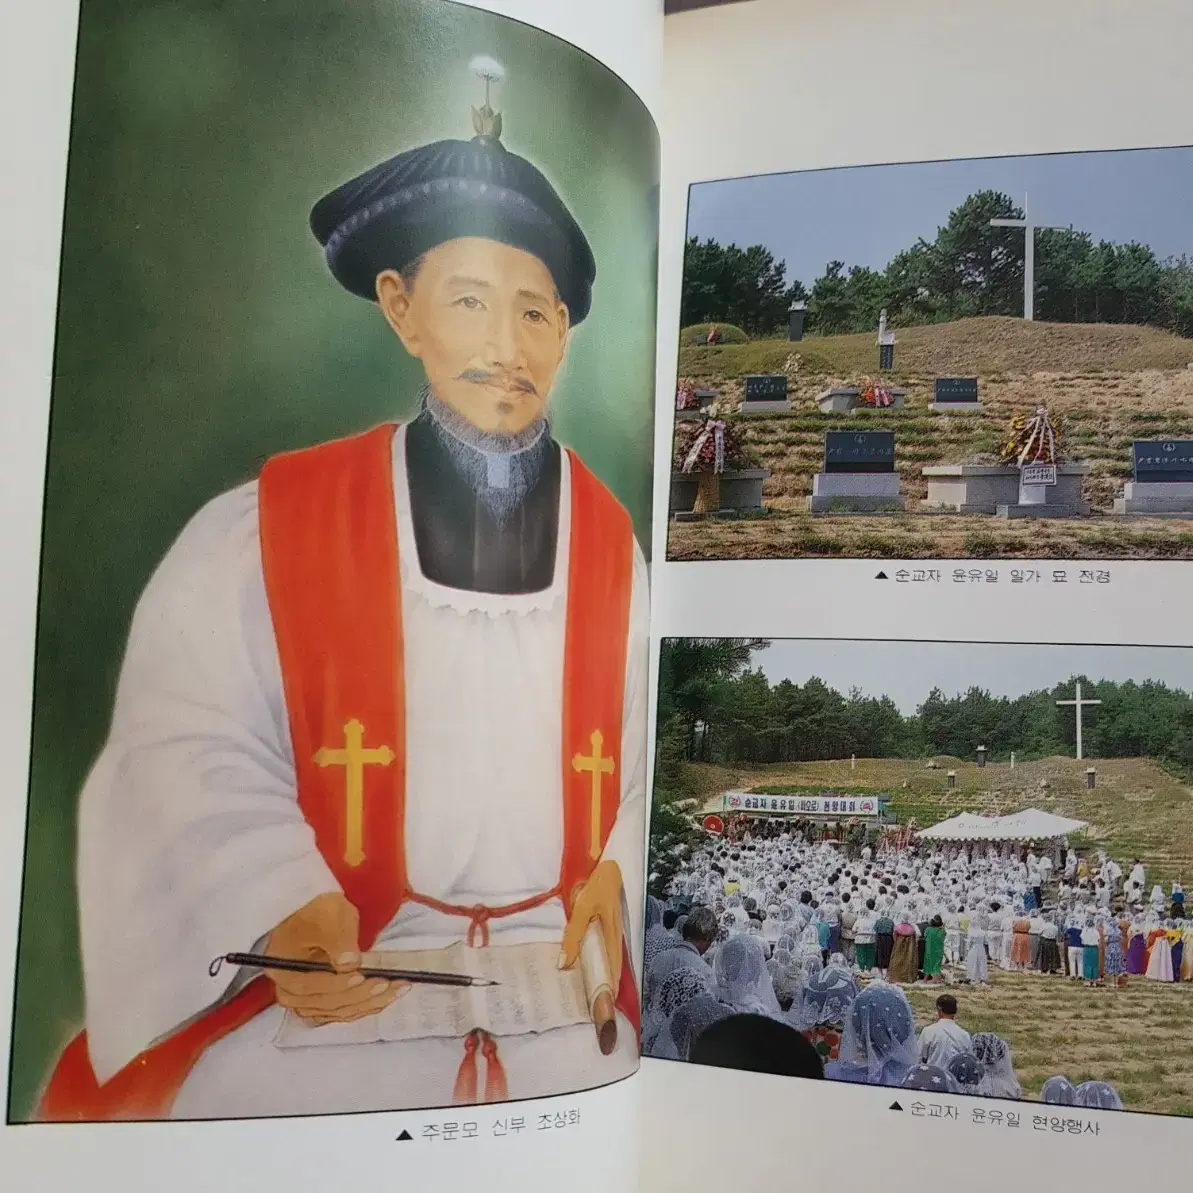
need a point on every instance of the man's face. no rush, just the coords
(488, 326)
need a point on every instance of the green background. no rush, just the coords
(199, 331)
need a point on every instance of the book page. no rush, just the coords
(927, 557)
(255, 718)
(534, 995)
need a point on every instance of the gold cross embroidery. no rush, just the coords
(354, 758)
(598, 766)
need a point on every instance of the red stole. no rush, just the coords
(329, 550)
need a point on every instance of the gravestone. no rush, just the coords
(886, 344)
(955, 395)
(859, 451)
(796, 315)
(766, 392)
(704, 400)
(1000, 489)
(1048, 491)
(845, 399)
(859, 474)
(1163, 480)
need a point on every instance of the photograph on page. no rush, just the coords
(338, 781)
(941, 867)
(968, 359)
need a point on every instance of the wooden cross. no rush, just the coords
(597, 766)
(354, 758)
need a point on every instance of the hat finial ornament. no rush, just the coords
(485, 121)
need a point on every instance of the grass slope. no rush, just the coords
(1137, 808)
(988, 346)
(1138, 1038)
(1107, 384)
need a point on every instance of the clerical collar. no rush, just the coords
(471, 535)
(499, 456)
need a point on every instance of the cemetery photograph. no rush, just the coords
(939, 867)
(974, 359)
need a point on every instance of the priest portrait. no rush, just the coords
(387, 699)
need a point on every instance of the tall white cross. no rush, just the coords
(1029, 259)
(1079, 704)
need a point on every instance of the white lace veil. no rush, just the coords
(742, 979)
(995, 1054)
(1098, 1095)
(878, 1046)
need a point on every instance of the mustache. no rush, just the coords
(485, 377)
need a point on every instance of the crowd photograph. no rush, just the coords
(920, 923)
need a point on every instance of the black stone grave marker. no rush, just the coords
(859, 451)
(955, 389)
(1164, 461)
(767, 388)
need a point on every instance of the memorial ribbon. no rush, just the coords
(716, 429)
(1041, 437)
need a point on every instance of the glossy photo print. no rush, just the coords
(339, 745)
(941, 867)
(971, 359)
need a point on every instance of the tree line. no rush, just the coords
(969, 269)
(716, 706)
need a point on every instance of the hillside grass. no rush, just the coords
(1137, 808)
(987, 346)
(1106, 385)
(1138, 1038)
(792, 534)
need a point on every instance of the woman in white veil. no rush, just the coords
(692, 1018)
(787, 918)
(824, 1005)
(787, 977)
(742, 980)
(809, 945)
(1098, 1095)
(676, 990)
(976, 967)
(656, 939)
(1058, 1091)
(995, 1054)
(663, 965)
(879, 1043)
(772, 928)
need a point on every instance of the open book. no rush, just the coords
(687, 518)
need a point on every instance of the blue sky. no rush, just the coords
(865, 215)
(908, 671)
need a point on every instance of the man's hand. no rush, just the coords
(326, 930)
(597, 899)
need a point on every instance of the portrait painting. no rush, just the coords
(338, 780)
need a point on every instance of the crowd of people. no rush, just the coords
(773, 927)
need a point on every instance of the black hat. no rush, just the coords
(391, 214)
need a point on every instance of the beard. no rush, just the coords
(500, 468)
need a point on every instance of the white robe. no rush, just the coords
(192, 843)
(977, 969)
(1159, 967)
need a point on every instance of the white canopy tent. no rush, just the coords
(1028, 825)
(958, 828)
